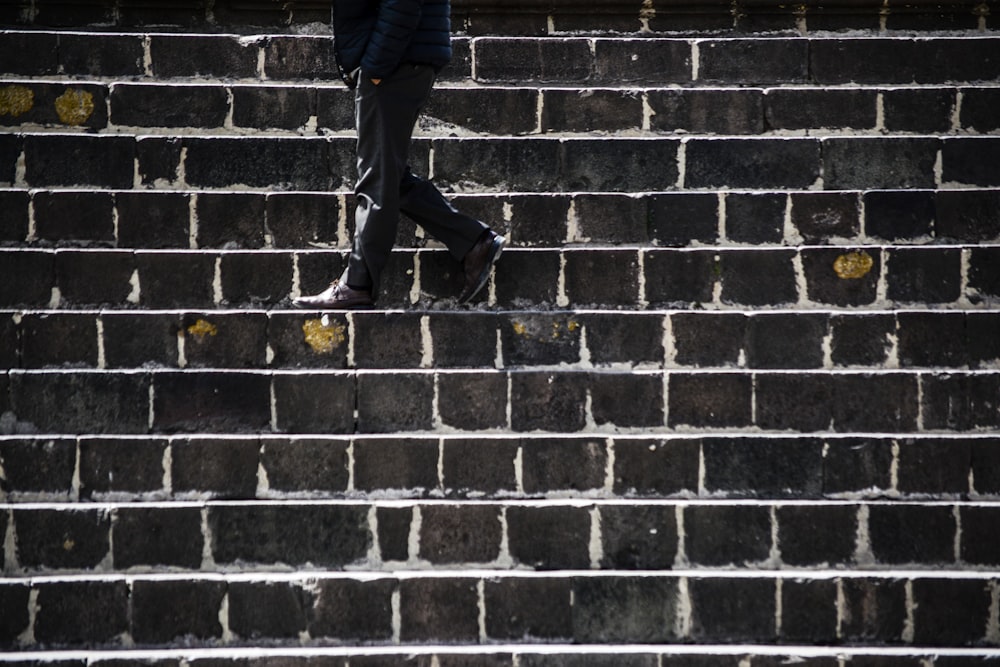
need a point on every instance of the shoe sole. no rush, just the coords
(496, 248)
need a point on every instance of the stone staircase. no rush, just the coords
(732, 397)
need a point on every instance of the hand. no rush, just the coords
(376, 81)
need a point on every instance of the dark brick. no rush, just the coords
(912, 534)
(211, 401)
(627, 399)
(521, 60)
(81, 403)
(709, 401)
(755, 217)
(256, 277)
(861, 340)
(310, 340)
(224, 468)
(592, 659)
(37, 466)
(503, 163)
(779, 340)
(751, 467)
(513, 111)
(932, 339)
(267, 610)
(388, 340)
(872, 61)
(678, 219)
(264, 108)
(59, 340)
(896, 215)
(612, 218)
(118, 55)
(224, 340)
(723, 111)
(322, 536)
(809, 611)
(619, 60)
(708, 339)
(43, 47)
(220, 56)
(62, 538)
(590, 110)
(396, 463)
(924, 275)
(874, 610)
(545, 401)
(757, 278)
(145, 105)
(81, 612)
(618, 164)
(473, 402)
(927, 111)
(857, 466)
(92, 277)
(313, 403)
(982, 333)
(796, 401)
(817, 535)
(299, 57)
(153, 219)
(822, 217)
(874, 403)
(986, 466)
(656, 467)
(279, 163)
(934, 467)
(820, 108)
(967, 215)
(519, 608)
(717, 535)
(158, 537)
(960, 402)
(306, 465)
(877, 162)
(623, 338)
(979, 537)
(394, 527)
(349, 609)
(971, 161)
(160, 288)
(134, 339)
(464, 534)
(731, 610)
(752, 163)
(394, 401)
(528, 277)
(74, 216)
(610, 610)
(676, 277)
(439, 610)
(297, 220)
(79, 160)
(165, 611)
(14, 598)
(841, 276)
(232, 220)
(983, 277)
(979, 109)
(479, 466)
(159, 159)
(749, 61)
(335, 109)
(549, 538)
(112, 466)
(10, 343)
(560, 465)
(466, 340)
(638, 537)
(949, 612)
(14, 215)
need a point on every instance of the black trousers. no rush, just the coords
(385, 116)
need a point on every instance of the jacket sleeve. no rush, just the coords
(397, 22)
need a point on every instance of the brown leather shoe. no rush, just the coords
(478, 262)
(338, 296)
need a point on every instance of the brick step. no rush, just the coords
(447, 401)
(186, 219)
(505, 466)
(545, 535)
(911, 611)
(525, 164)
(600, 60)
(905, 339)
(299, 108)
(810, 277)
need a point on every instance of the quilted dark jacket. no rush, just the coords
(379, 35)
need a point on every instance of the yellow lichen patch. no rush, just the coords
(74, 106)
(16, 100)
(520, 329)
(323, 338)
(69, 544)
(202, 328)
(853, 265)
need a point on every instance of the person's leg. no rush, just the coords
(427, 207)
